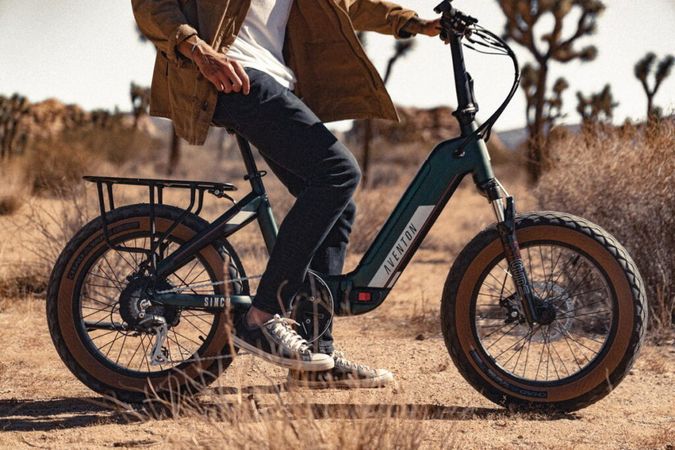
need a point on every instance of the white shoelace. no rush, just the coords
(340, 359)
(280, 328)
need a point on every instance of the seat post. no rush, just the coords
(252, 173)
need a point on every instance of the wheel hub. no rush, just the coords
(546, 312)
(139, 311)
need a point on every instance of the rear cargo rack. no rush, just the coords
(197, 189)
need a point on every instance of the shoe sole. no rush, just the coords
(293, 364)
(369, 383)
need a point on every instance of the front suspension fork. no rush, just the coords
(506, 227)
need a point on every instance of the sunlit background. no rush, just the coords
(87, 52)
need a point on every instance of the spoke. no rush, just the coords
(543, 267)
(187, 352)
(112, 344)
(579, 343)
(106, 277)
(527, 354)
(102, 335)
(198, 275)
(117, 360)
(133, 268)
(187, 338)
(550, 284)
(197, 316)
(565, 335)
(184, 283)
(576, 316)
(114, 276)
(511, 346)
(493, 332)
(193, 325)
(561, 360)
(145, 355)
(502, 336)
(131, 360)
(541, 355)
(194, 264)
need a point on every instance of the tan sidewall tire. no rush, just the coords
(189, 376)
(467, 348)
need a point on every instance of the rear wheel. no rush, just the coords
(593, 315)
(99, 323)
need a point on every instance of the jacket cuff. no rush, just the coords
(404, 18)
(181, 33)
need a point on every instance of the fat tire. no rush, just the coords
(475, 377)
(196, 223)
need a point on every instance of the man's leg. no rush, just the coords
(330, 257)
(290, 135)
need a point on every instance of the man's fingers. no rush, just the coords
(224, 81)
(234, 79)
(215, 81)
(243, 76)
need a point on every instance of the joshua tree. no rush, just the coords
(12, 136)
(401, 49)
(522, 17)
(598, 107)
(644, 68)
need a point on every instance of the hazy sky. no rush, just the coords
(87, 52)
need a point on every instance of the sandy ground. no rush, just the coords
(43, 405)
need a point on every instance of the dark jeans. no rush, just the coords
(317, 169)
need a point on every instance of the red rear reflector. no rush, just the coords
(364, 296)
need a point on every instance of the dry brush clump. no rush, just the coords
(13, 191)
(622, 179)
(56, 163)
(280, 418)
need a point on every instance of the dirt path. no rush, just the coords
(43, 405)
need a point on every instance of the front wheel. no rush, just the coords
(596, 319)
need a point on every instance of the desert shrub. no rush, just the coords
(25, 279)
(53, 223)
(622, 179)
(9, 203)
(58, 163)
(13, 190)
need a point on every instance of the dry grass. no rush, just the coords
(662, 439)
(622, 178)
(249, 422)
(56, 164)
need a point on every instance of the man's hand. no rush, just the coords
(422, 26)
(225, 74)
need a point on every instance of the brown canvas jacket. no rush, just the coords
(334, 76)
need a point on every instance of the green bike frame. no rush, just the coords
(367, 286)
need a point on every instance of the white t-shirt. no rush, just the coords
(260, 41)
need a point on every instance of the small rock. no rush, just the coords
(420, 337)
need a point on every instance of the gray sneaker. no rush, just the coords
(345, 374)
(277, 342)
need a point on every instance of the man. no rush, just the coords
(273, 70)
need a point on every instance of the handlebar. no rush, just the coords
(453, 20)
